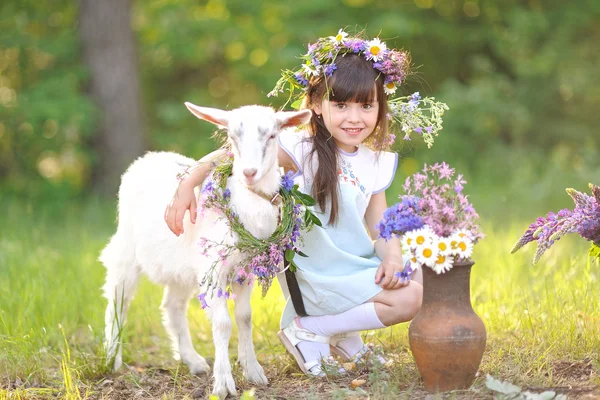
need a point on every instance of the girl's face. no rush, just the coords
(349, 123)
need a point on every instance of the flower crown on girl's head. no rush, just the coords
(412, 114)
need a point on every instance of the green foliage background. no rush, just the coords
(520, 77)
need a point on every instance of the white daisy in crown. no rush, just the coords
(309, 70)
(340, 37)
(375, 50)
(389, 88)
(443, 263)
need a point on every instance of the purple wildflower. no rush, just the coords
(412, 106)
(287, 182)
(404, 275)
(584, 220)
(445, 171)
(355, 45)
(329, 69)
(227, 194)
(209, 187)
(202, 298)
(400, 218)
(442, 206)
(301, 79)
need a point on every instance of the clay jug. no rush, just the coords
(446, 337)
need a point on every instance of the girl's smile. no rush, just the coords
(353, 131)
(349, 123)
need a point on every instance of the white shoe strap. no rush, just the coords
(303, 334)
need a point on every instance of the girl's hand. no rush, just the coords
(386, 273)
(183, 200)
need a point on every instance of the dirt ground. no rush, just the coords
(574, 379)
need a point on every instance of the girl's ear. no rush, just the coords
(288, 119)
(318, 110)
(212, 115)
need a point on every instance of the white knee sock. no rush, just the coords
(359, 318)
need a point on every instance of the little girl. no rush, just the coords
(351, 280)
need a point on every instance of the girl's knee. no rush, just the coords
(409, 303)
(413, 305)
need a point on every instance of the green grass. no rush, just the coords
(540, 319)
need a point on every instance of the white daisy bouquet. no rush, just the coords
(435, 220)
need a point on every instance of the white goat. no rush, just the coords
(144, 244)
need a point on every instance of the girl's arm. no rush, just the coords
(184, 198)
(389, 252)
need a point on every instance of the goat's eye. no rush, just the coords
(273, 136)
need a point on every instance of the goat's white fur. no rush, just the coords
(144, 244)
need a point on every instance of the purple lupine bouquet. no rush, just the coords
(583, 220)
(435, 220)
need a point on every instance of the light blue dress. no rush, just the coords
(339, 272)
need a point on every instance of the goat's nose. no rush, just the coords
(250, 172)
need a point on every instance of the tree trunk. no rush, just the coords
(110, 53)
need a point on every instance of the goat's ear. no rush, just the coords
(287, 119)
(213, 115)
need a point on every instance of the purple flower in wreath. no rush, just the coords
(301, 79)
(287, 182)
(329, 69)
(202, 298)
(209, 187)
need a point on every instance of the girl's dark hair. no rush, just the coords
(355, 80)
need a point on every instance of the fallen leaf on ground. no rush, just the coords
(357, 382)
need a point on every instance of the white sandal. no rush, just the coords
(293, 334)
(366, 354)
(338, 351)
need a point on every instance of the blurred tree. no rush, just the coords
(110, 53)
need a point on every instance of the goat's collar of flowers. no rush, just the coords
(411, 114)
(261, 257)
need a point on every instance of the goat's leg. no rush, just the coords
(253, 371)
(121, 282)
(174, 306)
(221, 328)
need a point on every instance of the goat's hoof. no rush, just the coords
(224, 386)
(198, 366)
(254, 373)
